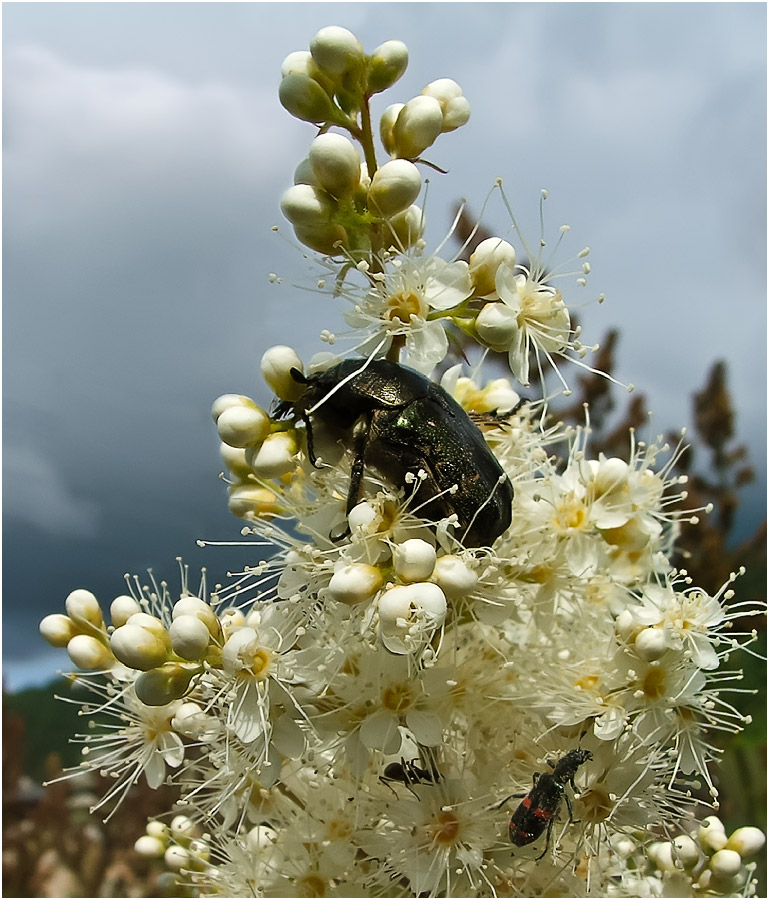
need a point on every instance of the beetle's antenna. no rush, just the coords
(344, 381)
(501, 480)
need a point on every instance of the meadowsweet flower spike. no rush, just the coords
(458, 659)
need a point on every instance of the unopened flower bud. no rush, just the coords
(182, 826)
(164, 684)
(189, 637)
(661, 854)
(386, 65)
(89, 653)
(685, 851)
(336, 50)
(276, 456)
(299, 61)
(57, 629)
(487, 257)
(407, 227)
(305, 99)
(328, 239)
(355, 583)
(307, 206)
(336, 164)
(249, 501)
(414, 560)
(157, 829)
(303, 173)
(177, 858)
(82, 606)
(454, 106)
(122, 608)
(242, 426)
(746, 841)
(650, 643)
(712, 835)
(387, 124)
(226, 401)
(725, 863)
(418, 125)
(194, 606)
(394, 187)
(140, 647)
(234, 458)
(497, 326)
(276, 366)
(149, 846)
(453, 576)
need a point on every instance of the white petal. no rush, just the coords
(380, 732)
(426, 727)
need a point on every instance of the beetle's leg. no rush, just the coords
(547, 840)
(310, 443)
(569, 807)
(360, 439)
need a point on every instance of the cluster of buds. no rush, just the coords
(705, 861)
(181, 847)
(338, 194)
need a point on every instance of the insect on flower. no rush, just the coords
(408, 772)
(397, 421)
(540, 806)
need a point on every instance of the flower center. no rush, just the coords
(260, 662)
(570, 513)
(397, 697)
(401, 307)
(311, 886)
(654, 684)
(445, 827)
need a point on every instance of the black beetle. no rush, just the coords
(540, 806)
(397, 421)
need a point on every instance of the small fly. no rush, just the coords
(540, 806)
(408, 772)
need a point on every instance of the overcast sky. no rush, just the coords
(145, 155)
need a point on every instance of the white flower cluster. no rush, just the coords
(352, 715)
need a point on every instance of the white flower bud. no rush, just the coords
(408, 615)
(497, 326)
(226, 401)
(182, 826)
(139, 647)
(241, 426)
(303, 173)
(260, 838)
(686, 851)
(418, 125)
(177, 858)
(327, 239)
(276, 456)
(89, 653)
(164, 684)
(307, 206)
(82, 606)
(407, 227)
(149, 846)
(712, 835)
(305, 99)
(386, 65)
(453, 576)
(454, 106)
(249, 501)
(194, 606)
(625, 625)
(122, 608)
(487, 257)
(387, 124)
(355, 583)
(200, 850)
(725, 863)
(299, 62)
(361, 517)
(157, 829)
(336, 164)
(189, 637)
(232, 620)
(746, 841)
(336, 50)
(276, 366)
(414, 560)
(456, 113)
(234, 458)
(650, 643)
(661, 854)
(394, 187)
(57, 629)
